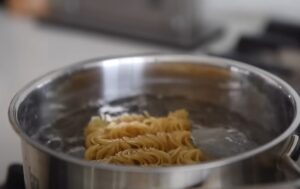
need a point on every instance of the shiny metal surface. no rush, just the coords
(222, 96)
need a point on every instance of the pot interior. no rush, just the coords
(233, 109)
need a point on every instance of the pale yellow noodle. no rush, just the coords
(168, 124)
(186, 155)
(97, 151)
(154, 157)
(174, 122)
(161, 141)
(141, 156)
(142, 140)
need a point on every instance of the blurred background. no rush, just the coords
(37, 36)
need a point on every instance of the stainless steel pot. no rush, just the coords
(245, 119)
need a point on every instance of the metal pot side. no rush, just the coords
(261, 97)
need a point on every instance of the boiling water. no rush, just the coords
(217, 131)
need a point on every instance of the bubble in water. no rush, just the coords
(55, 143)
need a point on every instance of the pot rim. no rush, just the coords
(201, 59)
